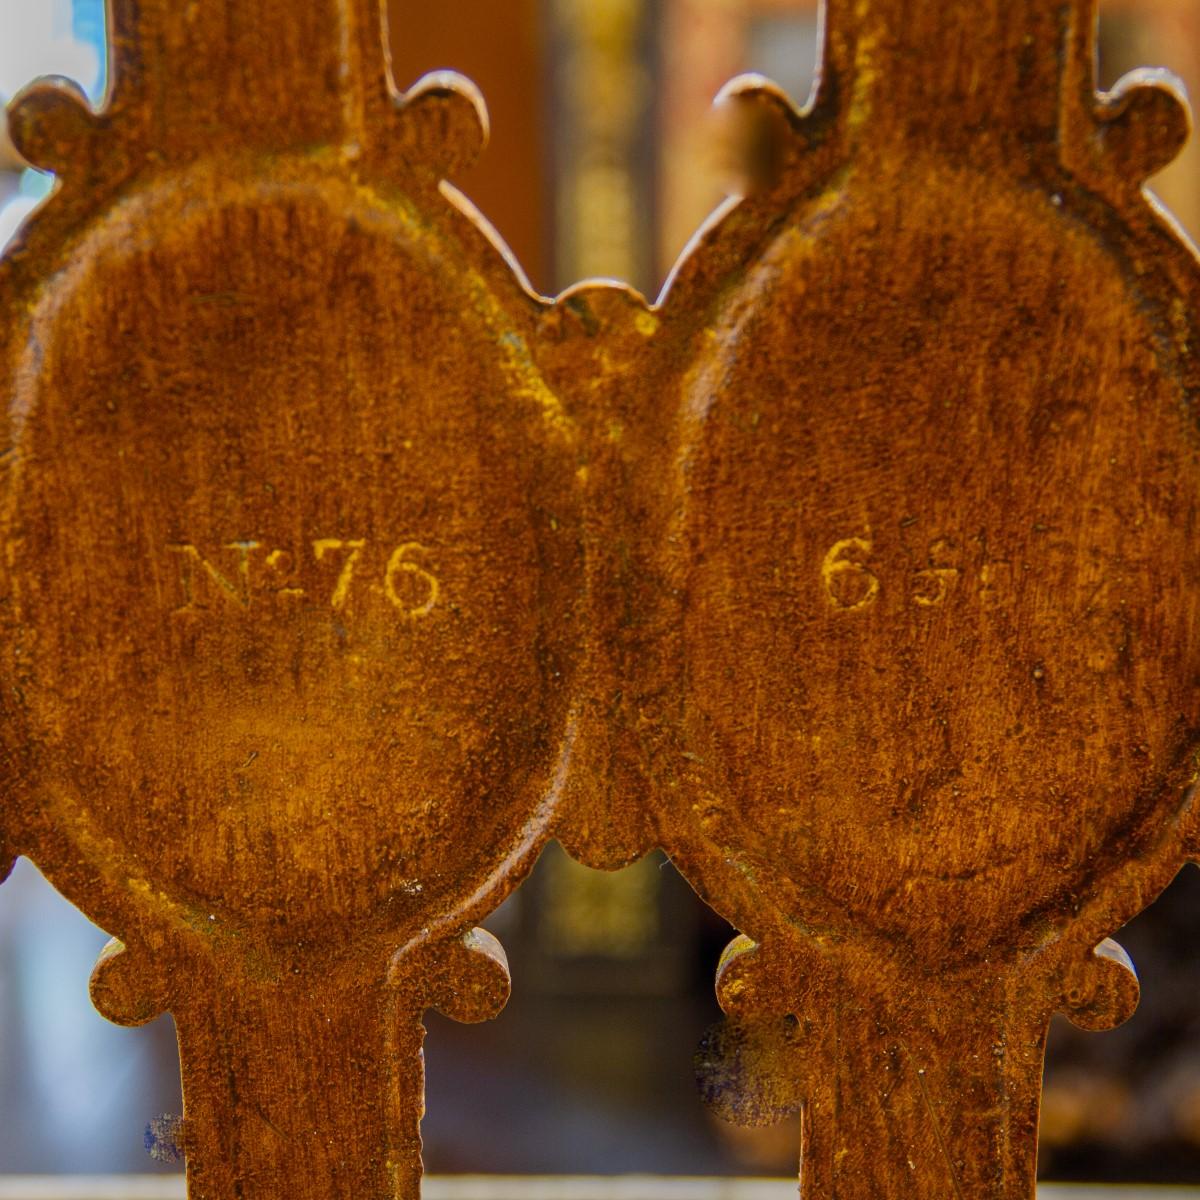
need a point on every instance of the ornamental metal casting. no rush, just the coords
(861, 574)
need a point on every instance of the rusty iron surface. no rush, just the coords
(860, 573)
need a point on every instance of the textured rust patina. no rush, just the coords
(341, 572)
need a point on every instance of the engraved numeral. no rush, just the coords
(341, 590)
(399, 564)
(849, 583)
(995, 580)
(409, 586)
(933, 584)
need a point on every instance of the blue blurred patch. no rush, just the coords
(88, 25)
(36, 184)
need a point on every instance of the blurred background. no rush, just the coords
(605, 157)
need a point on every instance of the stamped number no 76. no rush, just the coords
(408, 585)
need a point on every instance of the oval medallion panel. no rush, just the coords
(292, 560)
(932, 554)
